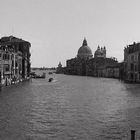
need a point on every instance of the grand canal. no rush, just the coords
(70, 108)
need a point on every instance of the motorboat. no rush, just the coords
(50, 80)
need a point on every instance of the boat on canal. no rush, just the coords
(50, 79)
(34, 75)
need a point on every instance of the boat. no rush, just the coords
(50, 80)
(34, 75)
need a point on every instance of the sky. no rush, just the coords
(56, 28)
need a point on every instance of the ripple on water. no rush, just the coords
(72, 108)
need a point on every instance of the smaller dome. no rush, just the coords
(84, 51)
(100, 52)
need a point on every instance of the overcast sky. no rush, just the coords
(56, 28)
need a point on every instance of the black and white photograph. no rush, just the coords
(69, 70)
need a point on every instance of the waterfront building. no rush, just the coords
(14, 60)
(132, 62)
(113, 71)
(59, 69)
(78, 65)
(98, 66)
(85, 64)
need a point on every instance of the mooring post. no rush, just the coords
(0, 82)
(133, 134)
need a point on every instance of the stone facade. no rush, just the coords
(98, 66)
(77, 66)
(14, 60)
(84, 64)
(110, 71)
(132, 62)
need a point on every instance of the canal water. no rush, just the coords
(70, 108)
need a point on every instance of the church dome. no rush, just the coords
(100, 52)
(84, 51)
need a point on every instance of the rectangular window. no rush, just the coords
(132, 58)
(3, 56)
(136, 58)
(6, 56)
(132, 66)
(136, 67)
(6, 67)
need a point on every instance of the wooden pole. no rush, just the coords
(132, 134)
(0, 81)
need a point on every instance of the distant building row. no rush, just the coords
(101, 66)
(14, 60)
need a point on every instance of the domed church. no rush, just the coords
(84, 51)
(85, 64)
